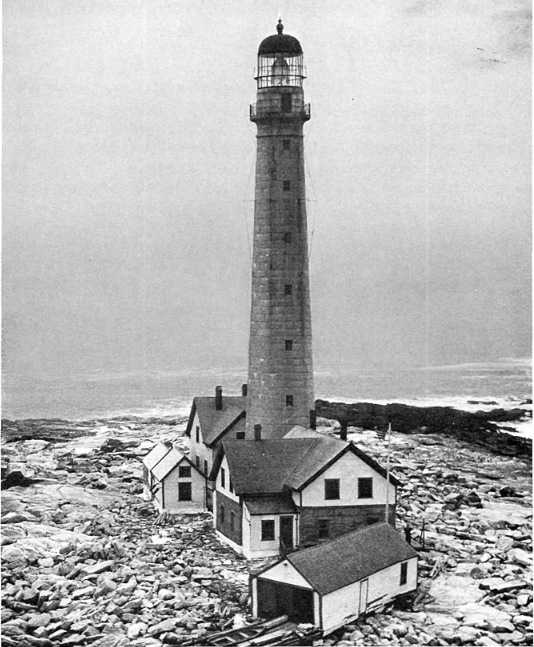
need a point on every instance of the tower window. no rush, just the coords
(287, 185)
(287, 237)
(232, 520)
(289, 400)
(206, 468)
(223, 477)
(286, 144)
(289, 344)
(221, 514)
(198, 434)
(286, 103)
(288, 289)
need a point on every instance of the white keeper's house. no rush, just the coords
(274, 496)
(211, 420)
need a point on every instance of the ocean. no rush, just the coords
(99, 394)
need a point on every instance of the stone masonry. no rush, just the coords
(280, 380)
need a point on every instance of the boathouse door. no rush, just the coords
(276, 599)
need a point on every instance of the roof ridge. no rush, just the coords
(338, 539)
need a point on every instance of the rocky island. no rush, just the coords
(88, 561)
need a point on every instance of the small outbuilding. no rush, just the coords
(174, 482)
(333, 583)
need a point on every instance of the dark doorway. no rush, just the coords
(286, 531)
(276, 599)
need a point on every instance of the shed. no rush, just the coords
(332, 584)
(178, 485)
(152, 459)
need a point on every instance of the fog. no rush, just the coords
(128, 181)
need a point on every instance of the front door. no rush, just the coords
(364, 587)
(286, 531)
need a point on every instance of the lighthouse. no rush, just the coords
(280, 372)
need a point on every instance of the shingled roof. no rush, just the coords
(263, 467)
(215, 422)
(268, 466)
(352, 557)
(156, 454)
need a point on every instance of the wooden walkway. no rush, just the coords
(279, 631)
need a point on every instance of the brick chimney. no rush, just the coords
(218, 398)
(313, 419)
(244, 389)
(343, 429)
(257, 433)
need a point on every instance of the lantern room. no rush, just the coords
(280, 62)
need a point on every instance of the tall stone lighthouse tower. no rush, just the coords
(280, 379)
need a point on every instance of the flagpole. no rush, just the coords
(387, 475)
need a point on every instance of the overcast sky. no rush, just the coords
(129, 177)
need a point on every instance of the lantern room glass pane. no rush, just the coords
(280, 70)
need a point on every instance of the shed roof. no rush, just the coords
(169, 462)
(270, 505)
(215, 422)
(352, 557)
(155, 455)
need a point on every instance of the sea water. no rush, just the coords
(169, 393)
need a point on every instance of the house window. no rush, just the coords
(404, 573)
(286, 144)
(197, 461)
(184, 472)
(287, 237)
(240, 435)
(365, 488)
(289, 400)
(232, 520)
(323, 528)
(223, 477)
(230, 485)
(221, 514)
(288, 289)
(198, 434)
(206, 468)
(287, 185)
(184, 491)
(289, 344)
(331, 489)
(267, 530)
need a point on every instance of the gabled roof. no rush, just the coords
(353, 557)
(169, 462)
(268, 466)
(155, 455)
(215, 422)
(270, 505)
(262, 467)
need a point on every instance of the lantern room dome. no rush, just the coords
(280, 44)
